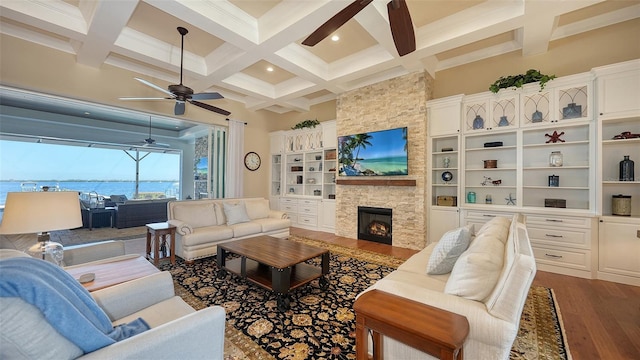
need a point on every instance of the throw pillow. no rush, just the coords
(257, 209)
(452, 244)
(196, 215)
(236, 213)
(477, 270)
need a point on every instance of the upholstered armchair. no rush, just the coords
(176, 329)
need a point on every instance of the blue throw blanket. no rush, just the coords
(66, 305)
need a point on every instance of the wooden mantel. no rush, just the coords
(378, 182)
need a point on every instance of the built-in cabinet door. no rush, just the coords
(618, 88)
(620, 249)
(328, 215)
(441, 221)
(443, 115)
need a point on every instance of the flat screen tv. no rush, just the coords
(377, 153)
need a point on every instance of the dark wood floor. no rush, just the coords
(601, 318)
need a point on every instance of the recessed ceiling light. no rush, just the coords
(269, 69)
(335, 38)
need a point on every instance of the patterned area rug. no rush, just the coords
(321, 324)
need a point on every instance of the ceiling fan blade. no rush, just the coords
(335, 22)
(155, 86)
(143, 98)
(401, 27)
(210, 107)
(206, 96)
(179, 108)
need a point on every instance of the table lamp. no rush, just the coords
(41, 212)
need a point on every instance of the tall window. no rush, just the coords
(210, 163)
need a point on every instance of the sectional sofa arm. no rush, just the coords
(482, 323)
(80, 254)
(199, 335)
(277, 214)
(182, 228)
(132, 296)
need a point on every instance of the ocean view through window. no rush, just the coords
(30, 166)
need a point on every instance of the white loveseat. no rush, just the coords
(203, 224)
(488, 285)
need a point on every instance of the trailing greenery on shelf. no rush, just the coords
(531, 76)
(306, 124)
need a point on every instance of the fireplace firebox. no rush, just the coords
(374, 224)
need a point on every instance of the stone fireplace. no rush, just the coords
(389, 104)
(375, 224)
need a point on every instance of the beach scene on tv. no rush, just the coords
(378, 153)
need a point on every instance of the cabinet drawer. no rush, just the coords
(307, 220)
(285, 201)
(486, 215)
(308, 203)
(565, 237)
(558, 220)
(307, 210)
(580, 260)
(290, 208)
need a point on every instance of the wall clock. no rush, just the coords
(252, 161)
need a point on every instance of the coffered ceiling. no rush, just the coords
(231, 43)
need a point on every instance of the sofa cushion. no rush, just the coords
(18, 241)
(222, 220)
(270, 224)
(160, 313)
(235, 213)
(257, 209)
(476, 272)
(196, 215)
(26, 334)
(246, 229)
(498, 226)
(452, 244)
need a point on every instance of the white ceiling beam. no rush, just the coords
(105, 25)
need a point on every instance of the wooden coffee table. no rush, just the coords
(273, 263)
(113, 273)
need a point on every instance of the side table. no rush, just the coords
(435, 331)
(160, 231)
(110, 211)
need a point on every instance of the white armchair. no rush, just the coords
(176, 329)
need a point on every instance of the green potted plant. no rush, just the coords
(531, 76)
(306, 124)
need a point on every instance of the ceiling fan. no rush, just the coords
(399, 20)
(150, 142)
(181, 93)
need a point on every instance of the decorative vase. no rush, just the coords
(626, 169)
(446, 162)
(572, 111)
(471, 197)
(503, 121)
(536, 117)
(478, 122)
(555, 159)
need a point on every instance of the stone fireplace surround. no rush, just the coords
(388, 104)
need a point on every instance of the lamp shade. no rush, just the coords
(36, 212)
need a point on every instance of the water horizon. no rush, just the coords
(101, 187)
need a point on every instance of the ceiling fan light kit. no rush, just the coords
(182, 93)
(399, 20)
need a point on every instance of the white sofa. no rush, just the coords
(176, 329)
(488, 285)
(203, 224)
